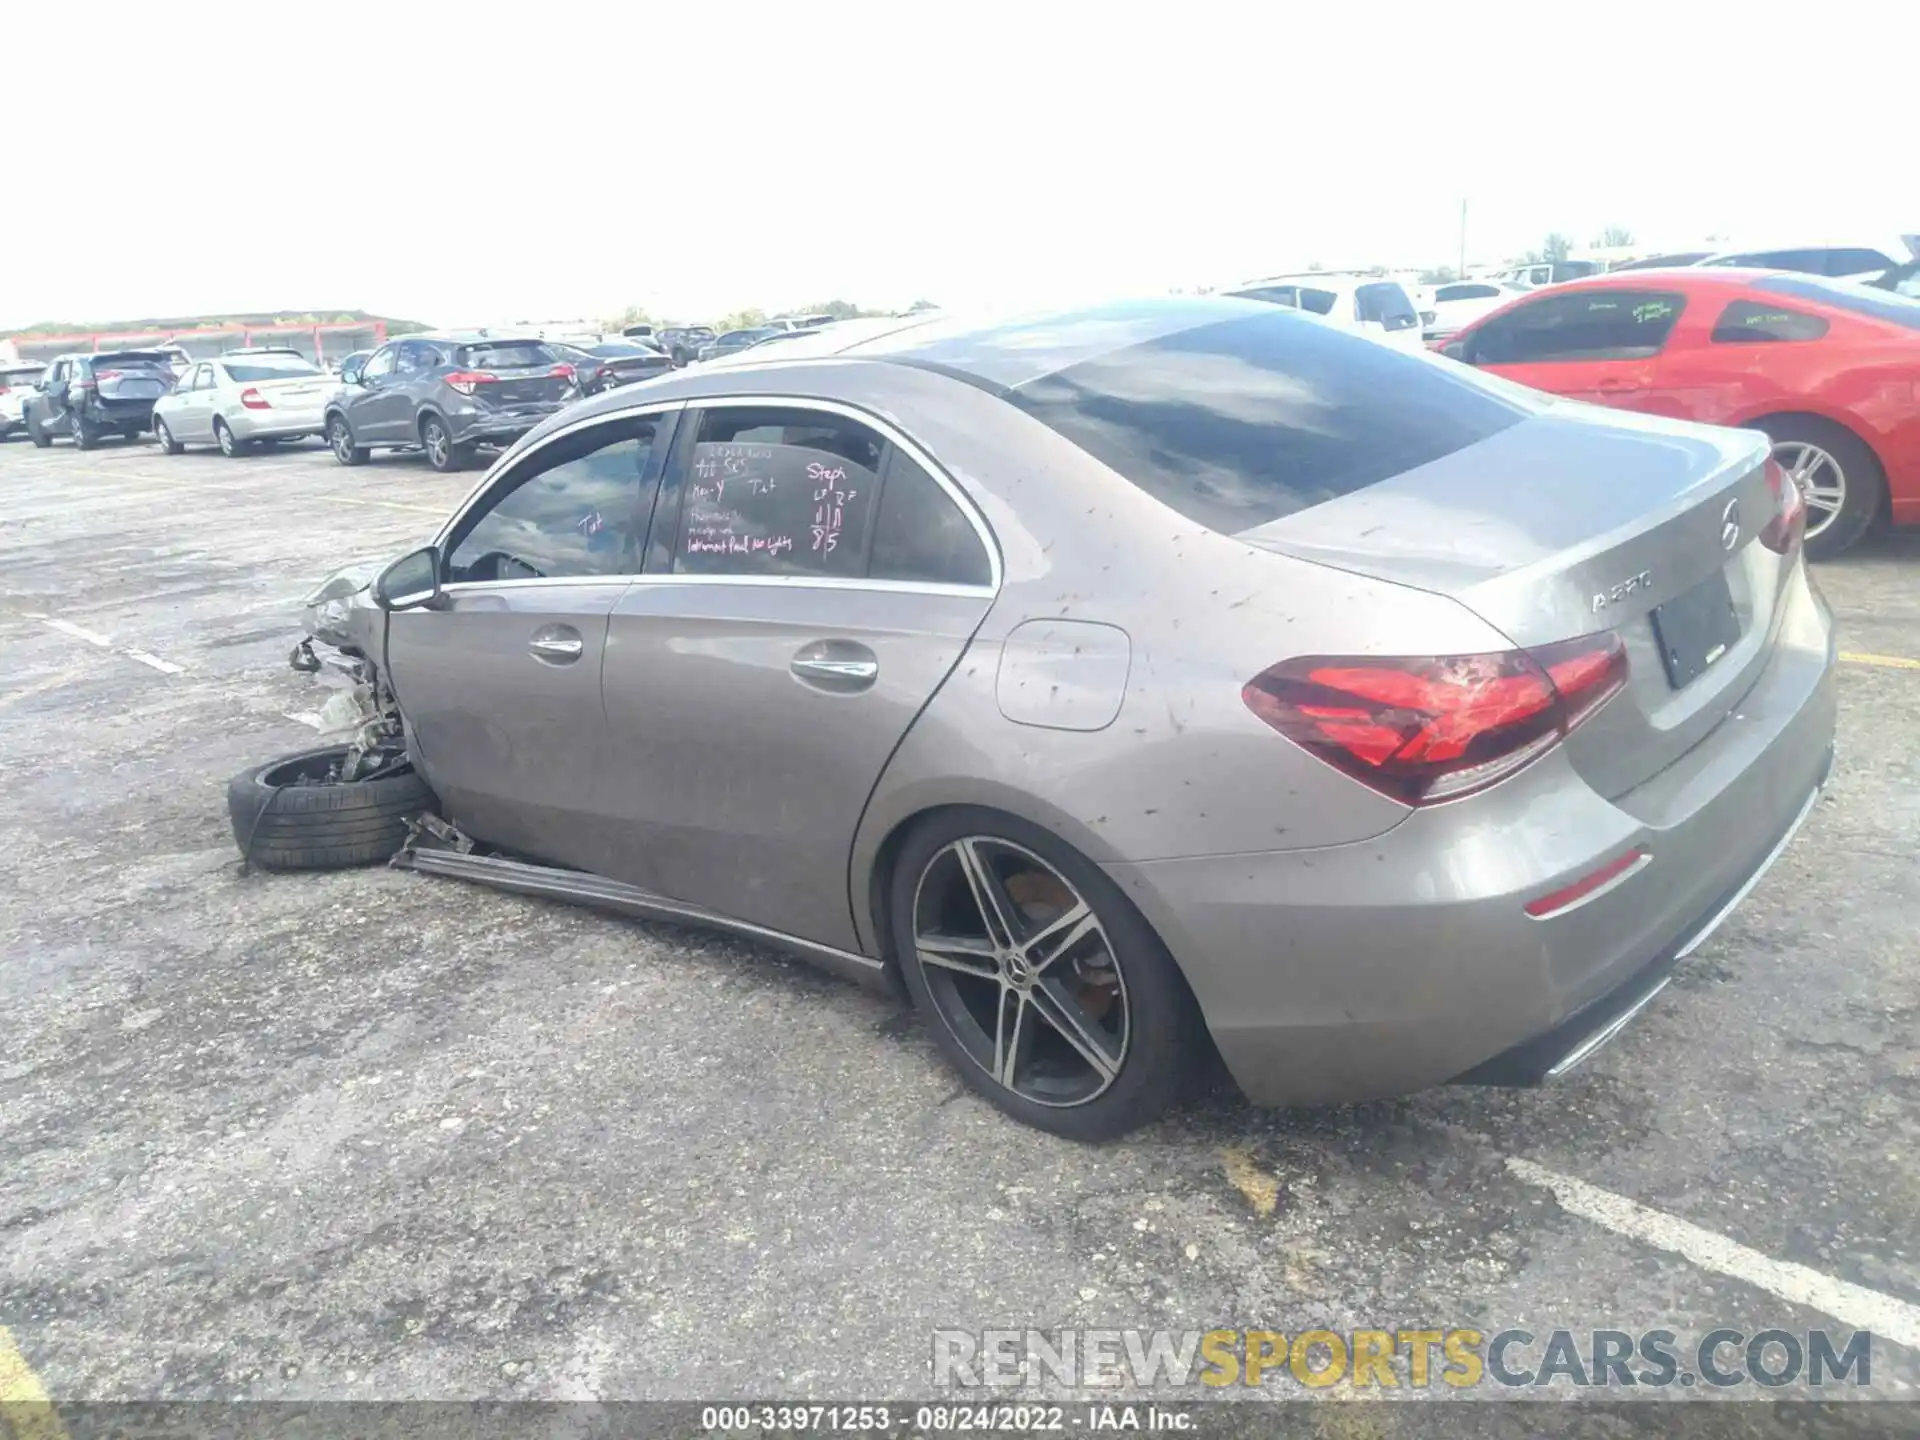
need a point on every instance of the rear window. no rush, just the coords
(1860, 299)
(14, 374)
(268, 367)
(507, 355)
(1466, 292)
(1245, 421)
(1857, 262)
(134, 359)
(614, 352)
(1745, 322)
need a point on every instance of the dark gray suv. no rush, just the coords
(87, 396)
(446, 395)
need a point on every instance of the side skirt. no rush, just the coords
(552, 883)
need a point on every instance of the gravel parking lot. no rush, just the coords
(377, 1135)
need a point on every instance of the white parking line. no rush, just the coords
(78, 632)
(165, 667)
(1850, 1304)
(105, 642)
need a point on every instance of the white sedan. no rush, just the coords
(243, 397)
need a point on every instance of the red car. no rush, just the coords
(1829, 369)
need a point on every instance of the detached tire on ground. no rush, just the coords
(290, 815)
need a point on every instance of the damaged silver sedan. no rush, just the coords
(1118, 684)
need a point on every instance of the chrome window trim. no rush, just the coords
(798, 582)
(917, 453)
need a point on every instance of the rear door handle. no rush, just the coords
(556, 644)
(838, 665)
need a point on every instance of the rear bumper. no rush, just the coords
(280, 420)
(488, 427)
(112, 414)
(1405, 961)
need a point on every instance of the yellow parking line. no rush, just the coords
(25, 1411)
(1261, 1189)
(1892, 662)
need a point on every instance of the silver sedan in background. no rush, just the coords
(242, 398)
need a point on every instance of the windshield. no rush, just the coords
(269, 367)
(507, 355)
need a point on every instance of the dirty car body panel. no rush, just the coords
(754, 741)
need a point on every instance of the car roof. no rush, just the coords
(1897, 247)
(1001, 352)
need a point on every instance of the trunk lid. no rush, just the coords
(626, 369)
(524, 374)
(1581, 520)
(132, 380)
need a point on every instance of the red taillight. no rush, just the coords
(1432, 728)
(1587, 886)
(465, 381)
(562, 371)
(254, 400)
(1783, 533)
(108, 375)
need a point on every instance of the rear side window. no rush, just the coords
(1272, 294)
(1744, 322)
(1318, 302)
(1385, 303)
(1847, 295)
(1245, 421)
(778, 492)
(506, 355)
(920, 533)
(1584, 325)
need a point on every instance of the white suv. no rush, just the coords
(1379, 308)
(17, 379)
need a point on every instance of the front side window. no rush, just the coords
(577, 506)
(920, 534)
(203, 378)
(1584, 325)
(1246, 421)
(380, 364)
(1745, 322)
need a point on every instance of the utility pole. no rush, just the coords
(1463, 239)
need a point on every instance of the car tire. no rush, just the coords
(1158, 1044)
(1829, 461)
(39, 437)
(231, 445)
(442, 454)
(83, 437)
(288, 816)
(340, 441)
(132, 437)
(165, 437)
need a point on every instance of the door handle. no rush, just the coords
(837, 669)
(556, 644)
(840, 666)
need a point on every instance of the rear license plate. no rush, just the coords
(1696, 630)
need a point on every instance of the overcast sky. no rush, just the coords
(478, 163)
